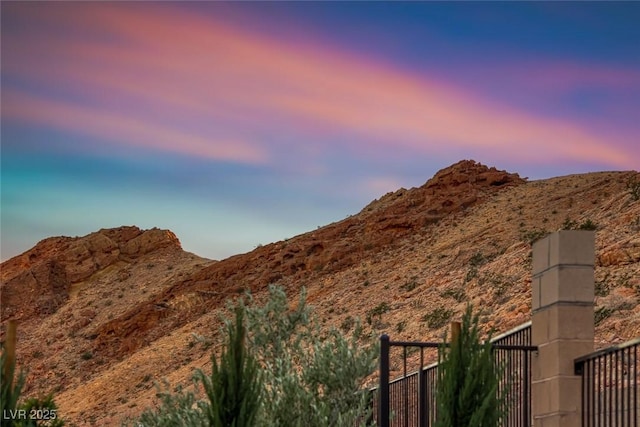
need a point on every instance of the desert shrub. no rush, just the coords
(377, 312)
(602, 287)
(10, 400)
(497, 282)
(477, 259)
(306, 376)
(601, 314)
(233, 389)
(347, 324)
(633, 185)
(175, 409)
(438, 317)
(458, 294)
(471, 274)
(569, 224)
(588, 225)
(45, 406)
(410, 285)
(468, 380)
(311, 378)
(533, 236)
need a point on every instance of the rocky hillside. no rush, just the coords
(103, 317)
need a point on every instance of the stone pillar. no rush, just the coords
(562, 324)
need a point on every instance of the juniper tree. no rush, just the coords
(468, 392)
(11, 387)
(234, 388)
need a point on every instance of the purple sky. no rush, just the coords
(235, 124)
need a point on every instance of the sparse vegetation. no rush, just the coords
(477, 259)
(400, 326)
(633, 185)
(206, 342)
(377, 312)
(299, 366)
(497, 282)
(347, 324)
(11, 387)
(601, 314)
(532, 236)
(602, 287)
(472, 273)
(410, 284)
(458, 294)
(438, 317)
(177, 408)
(587, 224)
(625, 281)
(422, 269)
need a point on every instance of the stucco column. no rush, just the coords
(562, 324)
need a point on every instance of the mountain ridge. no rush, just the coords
(124, 314)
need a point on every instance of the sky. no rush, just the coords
(243, 123)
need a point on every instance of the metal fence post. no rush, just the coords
(383, 396)
(422, 397)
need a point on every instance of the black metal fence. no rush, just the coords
(410, 400)
(610, 379)
(512, 351)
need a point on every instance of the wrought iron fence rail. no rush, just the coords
(580, 361)
(610, 381)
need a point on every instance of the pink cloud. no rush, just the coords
(120, 127)
(169, 66)
(564, 76)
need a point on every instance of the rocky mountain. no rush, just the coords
(103, 317)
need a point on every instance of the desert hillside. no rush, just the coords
(103, 317)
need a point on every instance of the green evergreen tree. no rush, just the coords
(468, 392)
(11, 390)
(234, 388)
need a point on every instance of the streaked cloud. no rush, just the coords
(259, 121)
(171, 80)
(116, 126)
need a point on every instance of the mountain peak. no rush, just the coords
(38, 281)
(451, 189)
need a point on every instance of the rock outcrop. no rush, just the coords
(328, 250)
(38, 281)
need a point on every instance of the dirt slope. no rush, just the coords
(103, 316)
